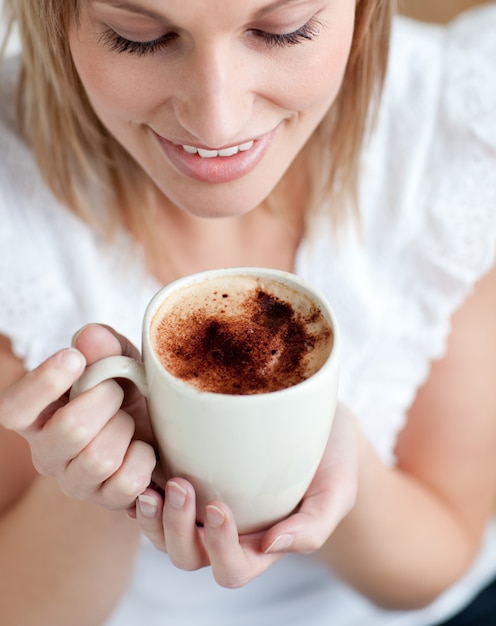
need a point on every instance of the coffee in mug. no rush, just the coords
(240, 335)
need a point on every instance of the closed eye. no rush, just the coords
(307, 32)
(117, 43)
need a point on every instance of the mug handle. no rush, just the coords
(111, 367)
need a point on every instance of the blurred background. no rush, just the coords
(436, 10)
(430, 10)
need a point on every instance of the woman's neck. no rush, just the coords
(266, 236)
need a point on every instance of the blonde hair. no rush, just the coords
(339, 139)
(96, 178)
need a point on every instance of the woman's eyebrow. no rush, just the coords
(273, 6)
(129, 6)
(141, 10)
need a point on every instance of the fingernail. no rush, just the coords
(72, 360)
(147, 505)
(76, 335)
(176, 495)
(280, 544)
(214, 516)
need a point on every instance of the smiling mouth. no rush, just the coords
(216, 166)
(224, 152)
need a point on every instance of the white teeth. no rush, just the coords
(190, 149)
(228, 151)
(207, 154)
(225, 152)
(245, 146)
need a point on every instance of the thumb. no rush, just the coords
(97, 341)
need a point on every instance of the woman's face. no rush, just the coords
(213, 98)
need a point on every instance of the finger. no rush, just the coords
(99, 459)
(182, 535)
(235, 560)
(306, 530)
(303, 533)
(97, 341)
(26, 399)
(74, 426)
(149, 508)
(309, 528)
(131, 479)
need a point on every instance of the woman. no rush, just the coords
(158, 139)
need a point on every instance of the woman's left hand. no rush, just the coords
(170, 523)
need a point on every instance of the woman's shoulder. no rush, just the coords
(19, 175)
(445, 75)
(470, 74)
(429, 171)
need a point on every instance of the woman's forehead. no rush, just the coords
(159, 8)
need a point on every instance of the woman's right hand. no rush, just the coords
(98, 445)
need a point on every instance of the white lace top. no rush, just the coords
(428, 198)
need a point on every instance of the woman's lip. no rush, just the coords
(218, 169)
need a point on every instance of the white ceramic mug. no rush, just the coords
(256, 452)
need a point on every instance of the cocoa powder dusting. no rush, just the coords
(261, 348)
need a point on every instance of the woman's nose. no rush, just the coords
(215, 96)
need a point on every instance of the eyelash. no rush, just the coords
(117, 43)
(307, 32)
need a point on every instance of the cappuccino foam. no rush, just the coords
(241, 335)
